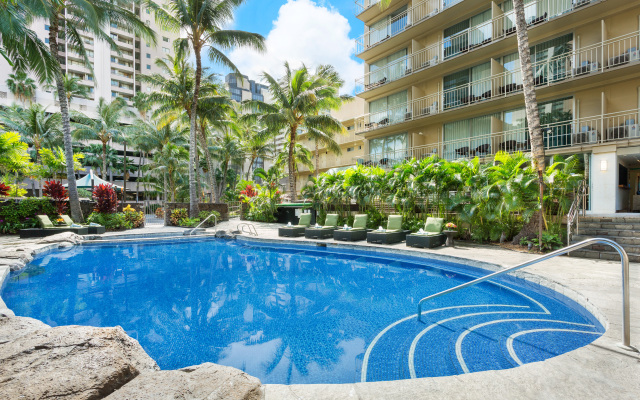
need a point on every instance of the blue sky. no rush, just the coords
(309, 31)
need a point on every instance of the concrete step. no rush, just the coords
(618, 226)
(604, 255)
(624, 241)
(633, 220)
(593, 232)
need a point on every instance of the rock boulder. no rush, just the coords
(61, 238)
(12, 328)
(205, 381)
(70, 362)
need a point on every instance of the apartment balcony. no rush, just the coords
(578, 135)
(124, 55)
(499, 27)
(582, 63)
(330, 160)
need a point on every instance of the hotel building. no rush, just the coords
(442, 77)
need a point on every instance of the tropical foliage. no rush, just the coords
(488, 202)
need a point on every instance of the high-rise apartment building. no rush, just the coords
(246, 89)
(443, 77)
(115, 73)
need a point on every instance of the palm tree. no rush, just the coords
(67, 19)
(142, 104)
(105, 127)
(531, 105)
(301, 155)
(202, 21)
(174, 98)
(226, 149)
(20, 46)
(36, 126)
(72, 88)
(22, 87)
(298, 98)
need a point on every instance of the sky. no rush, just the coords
(298, 31)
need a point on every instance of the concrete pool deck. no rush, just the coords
(598, 370)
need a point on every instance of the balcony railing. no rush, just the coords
(362, 5)
(468, 40)
(566, 134)
(577, 63)
(401, 22)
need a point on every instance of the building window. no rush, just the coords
(148, 66)
(350, 149)
(46, 40)
(390, 109)
(165, 49)
(46, 27)
(165, 39)
(148, 55)
(389, 148)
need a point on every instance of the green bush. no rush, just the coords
(189, 222)
(21, 214)
(177, 215)
(550, 241)
(136, 218)
(111, 222)
(211, 221)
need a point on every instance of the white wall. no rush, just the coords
(604, 184)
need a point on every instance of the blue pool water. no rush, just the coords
(299, 314)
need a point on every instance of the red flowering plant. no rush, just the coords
(4, 189)
(54, 190)
(106, 199)
(247, 193)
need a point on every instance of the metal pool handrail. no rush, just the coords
(252, 229)
(215, 223)
(626, 316)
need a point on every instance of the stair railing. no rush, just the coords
(215, 223)
(573, 216)
(626, 315)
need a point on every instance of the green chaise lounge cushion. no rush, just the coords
(330, 221)
(395, 223)
(44, 222)
(360, 221)
(305, 221)
(433, 226)
(67, 220)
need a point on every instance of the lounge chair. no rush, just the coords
(393, 233)
(47, 229)
(325, 231)
(94, 229)
(355, 233)
(432, 236)
(296, 230)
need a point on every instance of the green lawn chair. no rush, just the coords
(47, 228)
(431, 237)
(325, 231)
(355, 233)
(296, 230)
(393, 234)
(94, 229)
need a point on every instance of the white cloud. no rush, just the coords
(304, 32)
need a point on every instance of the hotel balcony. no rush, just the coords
(468, 40)
(566, 137)
(499, 27)
(586, 62)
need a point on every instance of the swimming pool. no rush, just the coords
(299, 313)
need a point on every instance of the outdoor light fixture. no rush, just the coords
(603, 165)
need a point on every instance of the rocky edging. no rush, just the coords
(85, 363)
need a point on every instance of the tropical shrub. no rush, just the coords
(106, 199)
(111, 221)
(57, 193)
(16, 189)
(550, 241)
(189, 222)
(211, 221)
(177, 215)
(21, 214)
(4, 189)
(159, 212)
(84, 193)
(136, 218)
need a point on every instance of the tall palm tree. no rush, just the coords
(72, 87)
(22, 87)
(227, 150)
(105, 127)
(203, 23)
(67, 19)
(174, 101)
(298, 98)
(531, 105)
(142, 104)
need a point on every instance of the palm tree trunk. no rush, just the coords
(104, 161)
(292, 181)
(250, 166)
(317, 154)
(74, 200)
(198, 175)
(211, 175)
(531, 103)
(193, 194)
(224, 178)
(165, 188)
(140, 154)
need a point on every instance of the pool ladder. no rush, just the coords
(624, 258)
(215, 223)
(251, 229)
